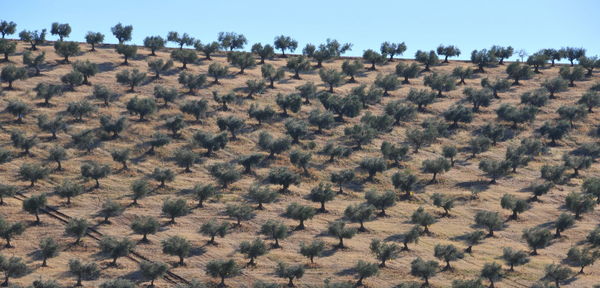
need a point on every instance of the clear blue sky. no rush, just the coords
(524, 24)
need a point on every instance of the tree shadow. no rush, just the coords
(479, 185)
(106, 67)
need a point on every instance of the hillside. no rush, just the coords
(337, 264)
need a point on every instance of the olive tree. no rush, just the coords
(174, 207)
(423, 218)
(590, 99)
(514, 257)
(66, 49)
(30, 60)
(122, 33)
(582, 257)
(217, 71)
(68, 189)
(589, 63)
(572, 74)
(154, 43)
(240, 212)
(77, 228)
(181, 40)
(191, 81)
(207, 49)
(141, 106)
(95, 170)
(447, 253)
(212, 228)
(283, 176)
(517, 71)
(502, 53)
(284, 270)
(275, 230)
(300, 212)
(298, 64)
(144, 225)
(252, 250)
(435, 166)
(490, 220)
(537, 60)
(184, 56)
(440, 82)
(33, 172)
(242, 60)
(7, 28)
(83, 271)
(373, 58)
(131, 78)
(10, 73)
(407, 71)
(427, 58)
(381, 200)
(116, 248)
(497, 86)
(285, 43)
(110, 208)
(510, 202)
(34, 38)
(232, 40)
(563, 222)
(472, 239)
(423, 269)
(573, 53)
(48, 248)
(494, 169)
(202, 192)
(8, 230)
(462, 74)
(271, 74)
(341, 177)
(128, 51)
(222, 269)
(94, 38)
(159, 66)
(537, 238)
(331, 77)
(483, 58)
(448, 51)
(443, 201)
(579, 203)
(264, 52)
(312, 249)
(225, 173)
(492, 272)
(8, 47)
(177, 246)
(153, 270)
(351, 69)
(365, 270)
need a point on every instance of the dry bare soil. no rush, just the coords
(334, 264)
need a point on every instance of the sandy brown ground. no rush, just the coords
(334, 264)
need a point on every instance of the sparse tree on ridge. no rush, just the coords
(392, 49)
(448, 51)
(285, 43)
